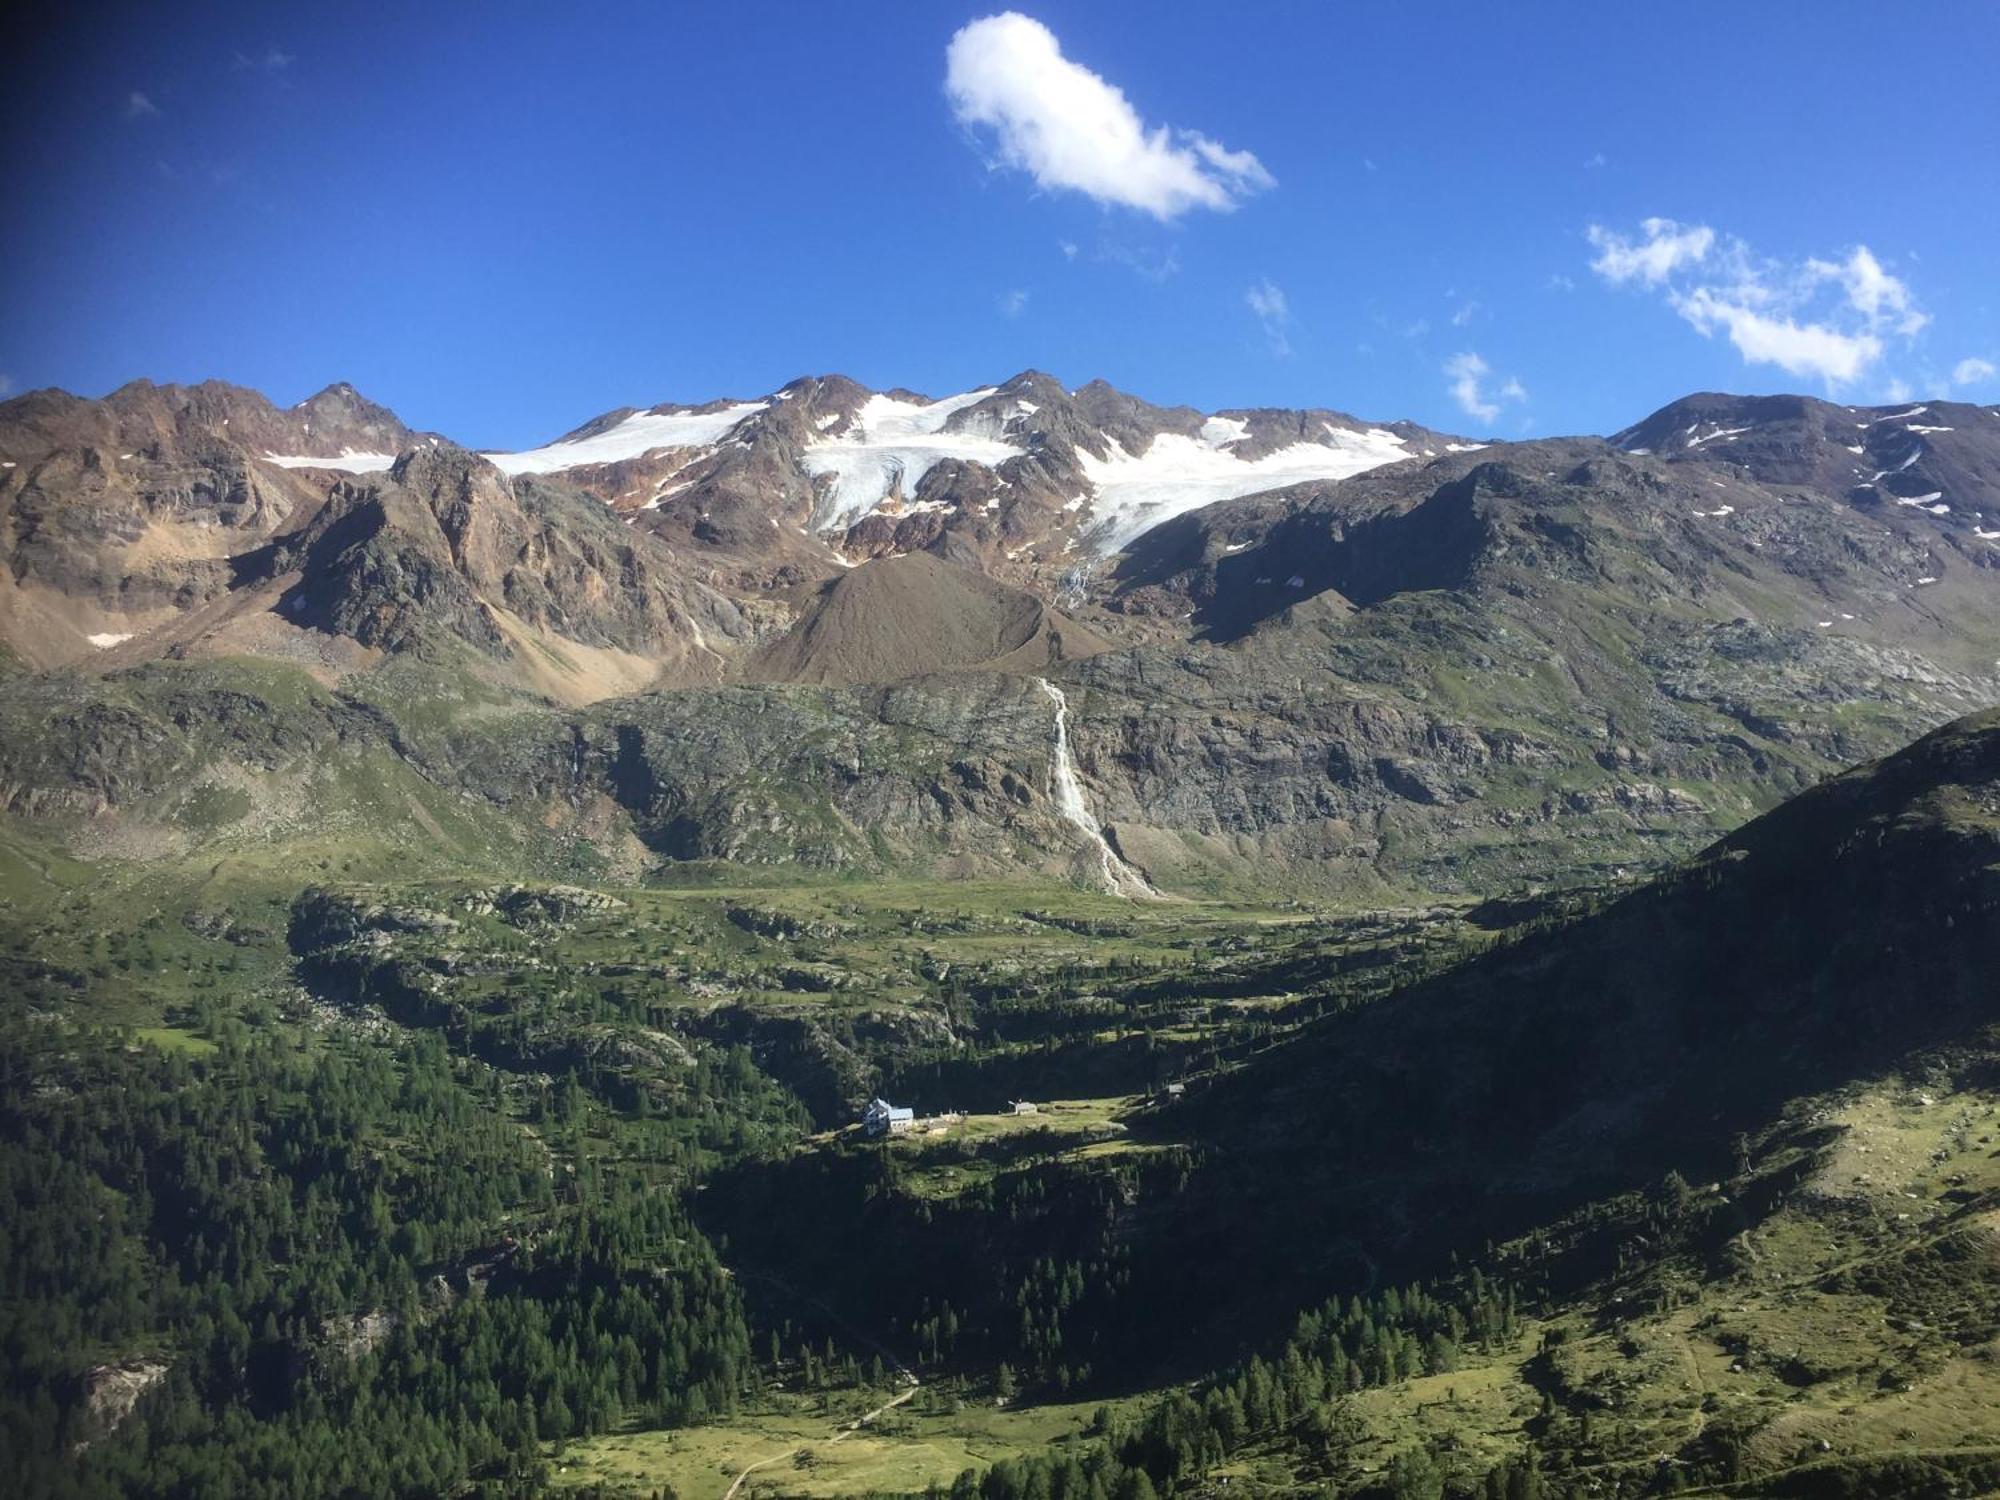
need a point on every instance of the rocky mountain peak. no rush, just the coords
(1937, 459)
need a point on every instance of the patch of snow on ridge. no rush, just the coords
(1220, 432)
(108, 639)
(891, 443)
(351, 461)
(1177, 474)
(639, 433)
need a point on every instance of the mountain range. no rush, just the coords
(1371, 655)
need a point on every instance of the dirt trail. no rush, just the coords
(762, 1463)
(847, 1431)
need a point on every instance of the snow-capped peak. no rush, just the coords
(1176, 474)
(640, 433)
(891, 443)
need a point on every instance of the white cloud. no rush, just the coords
(1666, 248)
(1596, 159)
(270, 60)
(1267, 300)
(139, 107)
(1797, 348)
(1466, 313)
(1068, 248)
(1972, 371)
(1830, 320)
(1871, 291)
(1157, 267)
(1067, 128)
(1468, 374)
(1014, 303)
(6, 385)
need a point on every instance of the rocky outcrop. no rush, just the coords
(112, 1392)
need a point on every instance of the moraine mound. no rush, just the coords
(914, 615)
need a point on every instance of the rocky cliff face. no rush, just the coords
(131, 516)
(445, 551)
(202, 521)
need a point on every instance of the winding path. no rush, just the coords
(842, 1435)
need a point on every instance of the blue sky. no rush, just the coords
(503, 219)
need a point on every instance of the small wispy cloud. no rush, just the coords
(1973, 372)
(1466, 312)
(1665, 248)
(1070, 130)
(140, 106)
(1068, 248)
(1013, 303)
(1561, 283)
(1267, 300)
(1883, 300)
(1155, 266)
(1468, 378)
(270, 60)
(1595, 160)
(1827, 319)
(6, 385)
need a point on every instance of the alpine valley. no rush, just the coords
(1414, 965)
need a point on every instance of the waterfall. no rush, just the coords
(1118, 877)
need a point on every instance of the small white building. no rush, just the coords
(1022, 1107)
(883, 1118)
